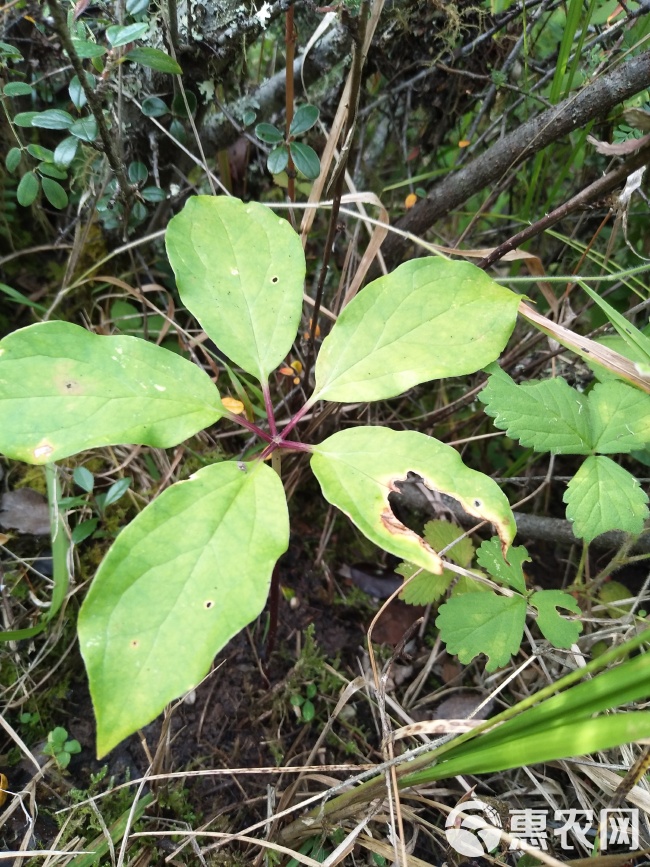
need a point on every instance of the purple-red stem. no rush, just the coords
(269, 410)
(294, 421)
(244, 422)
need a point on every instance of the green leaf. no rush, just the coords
(511, 574)
(277, 160)
(442, 534)
(138, 173)
(428, 319)
(305, 159)
(555, 628)
(54, 193)
(116, 492)
(620, 417)
(19, 298)
(53, 118)
(24, 118)
(12, 160)
(64, 389)
(86, 49)
(83, 530)
(269, 134)
(634, 338)
(603, 496)
(120, 35)
(426, 587)
(548, 416)
(153, 106)
(10, 50)
(240, 272)
(51, 171)
(196, 562)
(65, 152)
(84, 129)
(84, 479)
(76, 91)
(358, 468)
(17, 88)
(179, 107)
(153, 194)
(27, 189)
(40, 153)
(304, 119)
(483, 623)
(154, 58)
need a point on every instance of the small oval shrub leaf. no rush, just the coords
(304, 118)
(154, 58)
(12, 160)
(277, 160)
(305, 160)
(268, 133)
(17, 88)
(53, 118)
(27, 189)
(65, 152)
(54, 193)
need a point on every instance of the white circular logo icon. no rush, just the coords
(473, 828)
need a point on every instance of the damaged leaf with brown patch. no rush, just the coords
(359, 468)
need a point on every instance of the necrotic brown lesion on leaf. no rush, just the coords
(396, 528)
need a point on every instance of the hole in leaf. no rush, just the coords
(409, 505)
(274, 279)
(208, 603)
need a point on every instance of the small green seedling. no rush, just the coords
(302, 703)
(84, 479)
(60, 747)
(304, 158)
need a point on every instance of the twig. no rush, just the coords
(358, 57)
(594, 101)
(585, 197)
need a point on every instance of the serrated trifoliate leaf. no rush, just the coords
(358, 469)
(620, 417)
(428, 319)
(555, 628)
(64, 389)
(424, 588)
(240, 270)
(483, 623)
(603, 496)
(185, 576)
(490, 557)
(548, 415)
